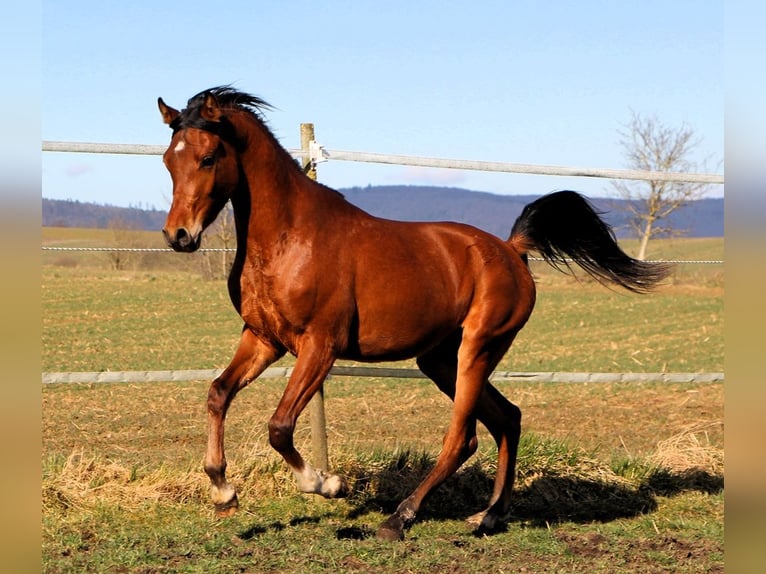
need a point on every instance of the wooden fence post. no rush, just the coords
(316, 407)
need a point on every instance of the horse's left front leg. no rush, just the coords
(311, 369)
(251, 359)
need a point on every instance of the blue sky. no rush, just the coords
(518, 81)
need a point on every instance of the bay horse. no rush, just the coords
(315, 276)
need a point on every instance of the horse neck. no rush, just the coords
(274, 193)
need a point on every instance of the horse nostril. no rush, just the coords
(182, 236)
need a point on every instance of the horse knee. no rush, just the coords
(217, 399)
(280, 434)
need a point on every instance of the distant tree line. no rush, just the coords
(71, 213)
(491, 212)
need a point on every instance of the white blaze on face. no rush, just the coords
(179, 146)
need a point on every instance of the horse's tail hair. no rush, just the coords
(564, 227)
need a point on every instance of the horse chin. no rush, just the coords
(188, 247)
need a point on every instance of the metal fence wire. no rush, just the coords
(231, 250)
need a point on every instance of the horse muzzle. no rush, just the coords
(182, 240)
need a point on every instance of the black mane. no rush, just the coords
(227, 97)
(232, 99)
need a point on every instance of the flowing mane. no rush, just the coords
(227, 98)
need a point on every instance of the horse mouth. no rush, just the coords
(182, 241)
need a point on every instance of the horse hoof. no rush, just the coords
(334, 486)
(392, 530)
(487, 522)
(389, 534)
(226, 509)
(476, 519)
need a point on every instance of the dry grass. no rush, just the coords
(556, 481)
(84, 480)
(125, 444)
(690, 453)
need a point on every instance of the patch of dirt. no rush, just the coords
(591, 545)
(676, 553)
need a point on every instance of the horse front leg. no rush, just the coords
(252, 357)
(311, 369)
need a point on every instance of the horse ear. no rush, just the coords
(210, 110)
(168, 113)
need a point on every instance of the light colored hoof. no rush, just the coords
(333, 486)
(476, 519)
(227, 509)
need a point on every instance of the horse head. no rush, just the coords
(202, 161)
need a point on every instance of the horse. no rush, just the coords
(316, 276)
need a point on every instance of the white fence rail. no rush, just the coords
(319, 154)
(398, 373)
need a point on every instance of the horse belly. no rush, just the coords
(398, 323)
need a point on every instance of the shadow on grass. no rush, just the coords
(276, 526)
(546, 496)
(666, 483)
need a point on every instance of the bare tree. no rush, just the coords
(124, 237)
(651, 146)
(221, 235)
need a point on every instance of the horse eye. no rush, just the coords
(207, 161)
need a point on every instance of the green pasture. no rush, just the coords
(96, 318)
(611, 477)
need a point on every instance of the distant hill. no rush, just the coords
(488, 211)
(69, 213)
(496, 213)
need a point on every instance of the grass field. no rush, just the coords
(611, 478)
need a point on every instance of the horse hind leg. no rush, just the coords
(460, 442)
(503, 421)
(440, 365)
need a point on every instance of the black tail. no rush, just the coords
(564, 227)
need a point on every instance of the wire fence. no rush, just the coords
(232, 250)
(318, 154)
